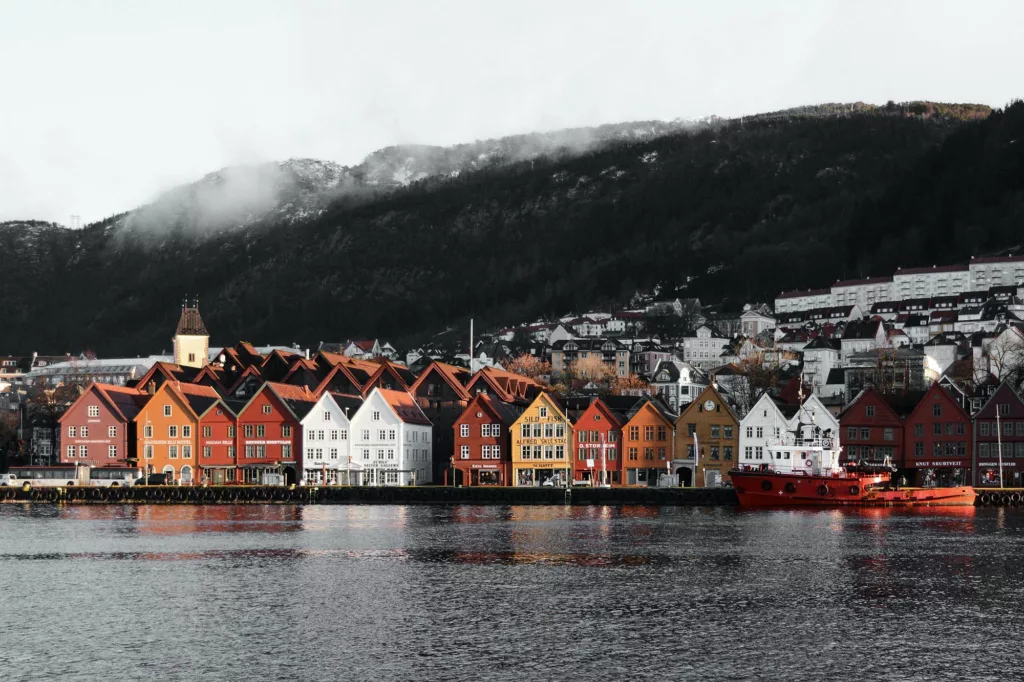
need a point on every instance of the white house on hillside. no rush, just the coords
(703, 349)
(821, 355)
(391, 440)
(677, 382)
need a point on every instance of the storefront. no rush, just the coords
(988, 474)
(542, 473)
(218, 475)
(940, 473)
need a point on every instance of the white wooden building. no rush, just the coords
(391, 440)
(326, 435)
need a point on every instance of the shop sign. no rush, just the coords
(944, 463)
(484, 466)
(542, 441)
(541, 465)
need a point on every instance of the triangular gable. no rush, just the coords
(709, 393)
(879, 401)
(282, 401)
(386, 368)
(250, 371)
(448, 374)
(606, 412)
(549, 402)
(647, 405)
(206, 374)
(402, 405)
(336, 371)
(326, 401)
(168, 387)
(1004, 386)
(945, 396)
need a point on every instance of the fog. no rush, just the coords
(107, 105)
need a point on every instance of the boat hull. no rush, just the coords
(769, 489)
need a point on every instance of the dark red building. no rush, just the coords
(270, 432)
(99, 428)
(218, 440)
(871, 427)
(999, 427)
(937, 440)
(483, 442)
(598, 431)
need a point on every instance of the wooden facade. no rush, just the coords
(716, 427)
(542, 439)
(647, 445)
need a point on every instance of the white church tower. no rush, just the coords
(191, 340)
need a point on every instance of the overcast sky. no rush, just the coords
(105, 103)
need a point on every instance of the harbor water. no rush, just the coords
(259, 592)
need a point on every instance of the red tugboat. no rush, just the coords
(807, 473)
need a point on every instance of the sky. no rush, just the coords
(105, 104)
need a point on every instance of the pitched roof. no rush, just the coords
(858, 282)
(190, 323)
(404, 406)
(863, 329)
(126, 402)
(934, 268)
(502, 410)
(452, 375)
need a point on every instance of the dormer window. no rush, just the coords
(543, 412)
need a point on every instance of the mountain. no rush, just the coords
(416, 239)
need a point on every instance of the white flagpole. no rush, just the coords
(696, 456)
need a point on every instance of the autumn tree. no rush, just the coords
(630, 385)
(591, 369)
(529, 366)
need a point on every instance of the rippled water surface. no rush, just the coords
(508, 593)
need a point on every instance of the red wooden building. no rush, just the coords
(483, 442)
(218, 439)
(270, 433)
(598, 456)
(999, 427)
(871, 427)
(98, 429)
(937, 440)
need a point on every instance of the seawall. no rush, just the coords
(367, 495)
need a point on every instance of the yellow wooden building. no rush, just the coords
(542, 445)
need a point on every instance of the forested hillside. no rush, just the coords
(739, 208)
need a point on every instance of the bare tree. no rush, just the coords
(1006, 357)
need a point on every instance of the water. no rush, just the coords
(508, 593)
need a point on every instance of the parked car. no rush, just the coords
(153, 479)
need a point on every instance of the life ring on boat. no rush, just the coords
(823, 490)
(791, 487)
(766, 485)
(826, 442)
(809, 464)
(855, 490)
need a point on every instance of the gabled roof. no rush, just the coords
(1003, 387)
(502, 411)
(821, 343)
(298, 400)
(944, 393)
(452, 375)
(646, 403)
(401, 374)
(860, 330)
(404, 406)
(709, 392)
(507, 386)
(199, 398)
(124, 402)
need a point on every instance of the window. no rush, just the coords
(167, 410)
(869, 410)
(464, 430)
(382, 434)
(760, 432)
(851, 433)
(937, 410)
(266, 409)
(391, 434)
(250, 451)
(172, 452)
(634, 433)
(248, 430)
(327, 416)
(495, 452)
(1007, 428)
(543, 412)
(691, 429)
(865, 433)
(84, 431)
(186, 431)
(936, 429)
(760, 452)
(1004, 409)
(207, 452)
(613, 436)
(112, 451)
(524, 452)
(231, 432)
(548, 452)
(485, 452)
(376, 416)
(714, 452)
(662, 433)
(334, 453)
(750, 432)
(464, 452)
(147, 451)
(72, 431)
(918, 430)
(94, 411)
(172, 431)
(286, 451)
(748, 452)
(950, 428)
(633, 454)
(648, 433)
(83, 450)
(984, 428)
(261, 431)
(186, 452)
(559, 430)
(662, 453)
(365, 434)
(71, 451)
(727, 452)
(715, 430)
(919, 449)
(728, 431)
